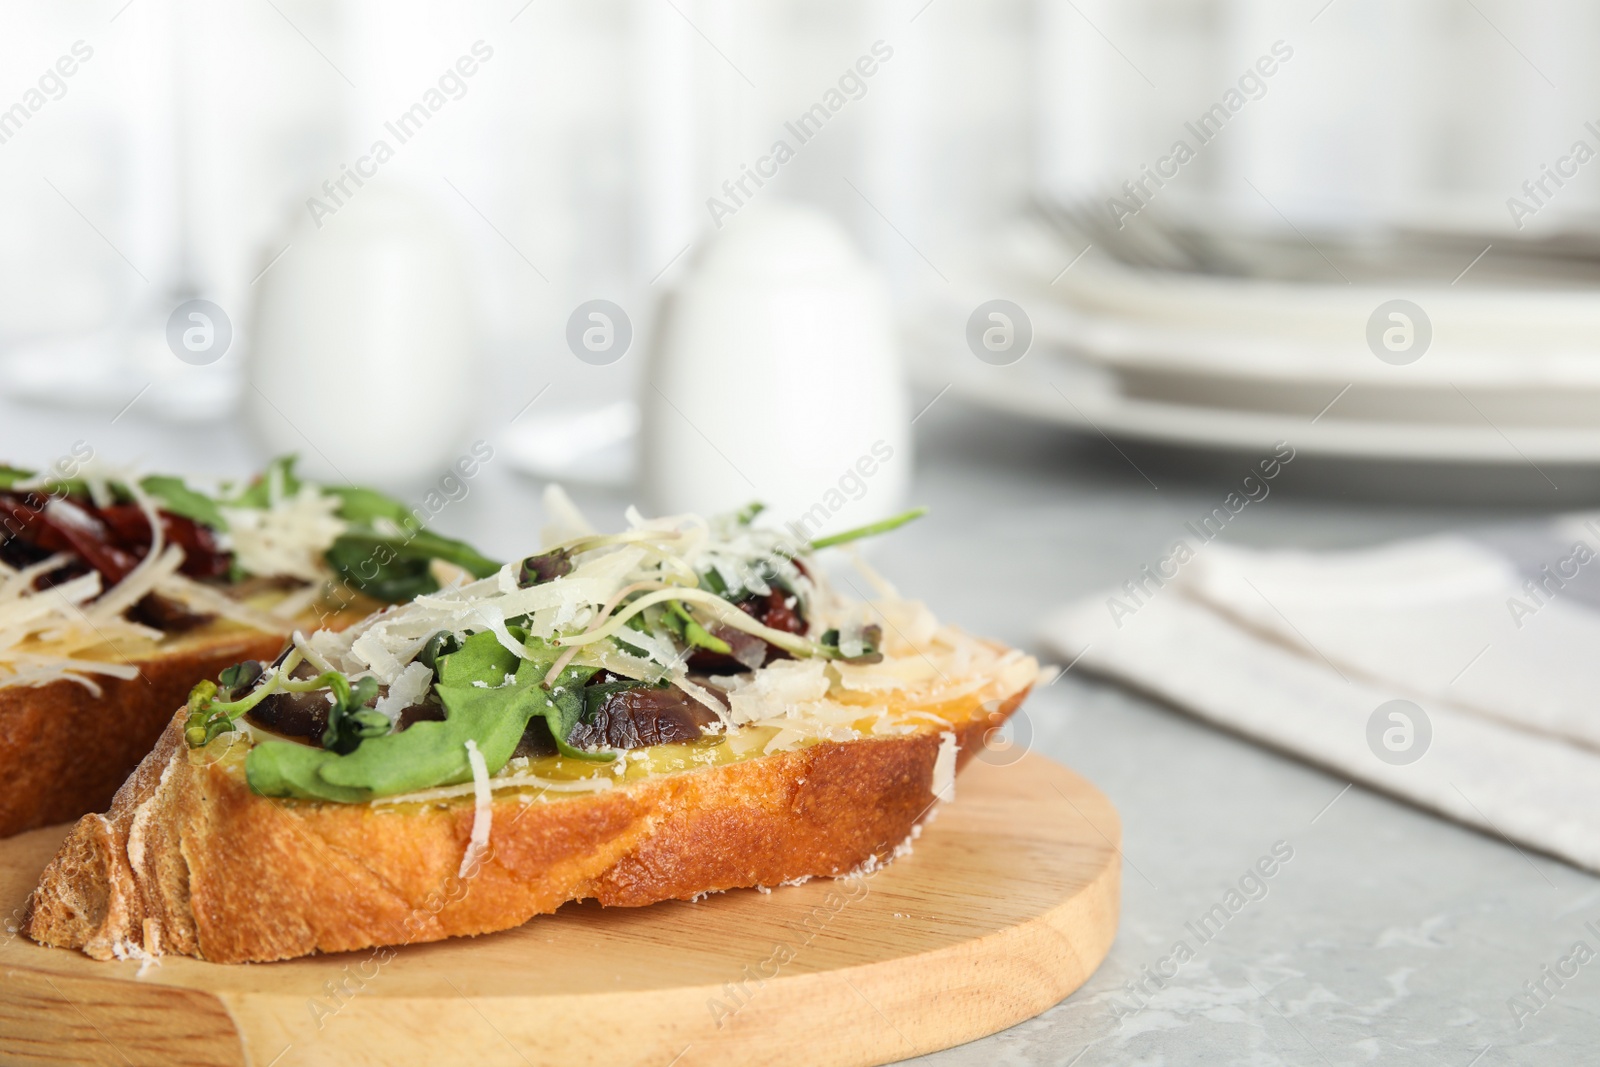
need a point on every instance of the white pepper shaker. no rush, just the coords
(775, 377)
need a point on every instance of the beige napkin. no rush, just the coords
(1491, 642)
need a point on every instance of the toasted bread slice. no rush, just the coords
(64, 749)
(189, 860)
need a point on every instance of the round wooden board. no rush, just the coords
(1006, 904)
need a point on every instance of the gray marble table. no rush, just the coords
(1391, 936)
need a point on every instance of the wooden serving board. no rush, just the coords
(1007, 904)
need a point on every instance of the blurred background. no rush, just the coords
(1201, 216)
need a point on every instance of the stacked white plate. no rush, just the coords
(1511, 375)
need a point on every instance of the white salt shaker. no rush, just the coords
(364, 357)
(775, 377)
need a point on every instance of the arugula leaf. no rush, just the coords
(395, 569)
(481, 658)
(427, 754)
(439, 645)
(463, 555)
(10, 476)
(177, 498)
(360, 504)
(255, 494)
(395, 582)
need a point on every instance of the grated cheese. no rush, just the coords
(408, 688)
(62, 633)
(482, 813)
(289, 536)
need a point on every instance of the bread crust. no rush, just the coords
(64, 750)
(189, 861)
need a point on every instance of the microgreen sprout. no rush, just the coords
(693, 633)
(872, 529)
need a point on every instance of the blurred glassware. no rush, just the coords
(366, 356)
(130, 362)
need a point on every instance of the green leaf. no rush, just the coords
(481, 658)
(361, 505)
(463, 555)
(564, 705)
(395, 569)
(429, 754)
(396, 581)
(10, 476)
(350, 721)
(695, 634)
(439, 645)
(255, 494)
(176, 497)
(712, 582)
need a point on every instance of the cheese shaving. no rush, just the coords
(290, 535)
(44, 632)
(78, 629)
(482, 813)
(408, 689)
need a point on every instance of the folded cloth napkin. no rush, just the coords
(1461, 672)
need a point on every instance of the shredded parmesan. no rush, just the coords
(78, 629)
(408, 688)
(290, 535)
(482, 813)
(45, 633)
